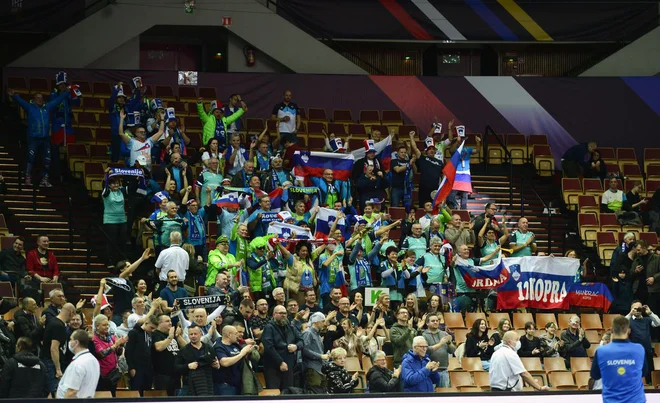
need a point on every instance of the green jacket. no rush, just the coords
(217, 262)
(208, 120)
(401, 338)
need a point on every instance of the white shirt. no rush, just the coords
(137, 148)
(133, 319)
(173, 258)
(81, 375)
(505, 369)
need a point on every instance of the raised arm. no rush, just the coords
(413, 145)
(130, 269)
(161, 128)
(122, 118)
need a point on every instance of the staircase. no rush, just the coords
(63, 215)
(492, 185)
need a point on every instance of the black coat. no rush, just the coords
(14, 380)
(200, 380)
(380, 380)
(276, 340)
(27, 325)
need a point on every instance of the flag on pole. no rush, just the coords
(383, 152)
(324, 220)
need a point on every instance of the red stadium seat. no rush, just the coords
(94, 105)
(187, 94)
(651, 186)
(392, 118)
(103, 135)
(338, 129)
(342, 116)
(85, 135)
(543, 159)
(608, 222)
(357, 130)
(315, 128)
(588, 225)
(39, 85)
(608, 154)
(165, 92)
(650, 237)
(369, 117)
(652, 171)
(87, 119)
(317, 115)
(18, 84)
(588, 204)
(208, 94)
(571, 189)
(102, 90)
(592, 186)
(516, 143)
(632, 172)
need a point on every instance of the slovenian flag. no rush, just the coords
(324, 219)
(482, 277)
(383, 152)
(229, 200)
(313, 163)
(448, 177)
(286, 231)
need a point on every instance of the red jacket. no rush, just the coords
(34, 266)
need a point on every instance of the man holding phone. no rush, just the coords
(642, 320)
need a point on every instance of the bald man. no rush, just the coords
(55, 345)
(522, 240)
(281, 343)
(227, 379)
(507, 371)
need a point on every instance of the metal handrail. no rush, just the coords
(507, 153)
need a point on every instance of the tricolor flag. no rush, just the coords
(278, 198)
(482, 277)
(383, 152)
(313, 163)
(324, 220)
(448, 177)
(286, 231)
(229, 200)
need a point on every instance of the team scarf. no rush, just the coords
(196, 227)
(408, 188)
(135, 172)
(362, 272)
(262, 163)
(177, 137)
(306, 190)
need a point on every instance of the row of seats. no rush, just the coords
(625, 155)
(590, 321)
(580, 193)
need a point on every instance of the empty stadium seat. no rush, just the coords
(632, 172)
(342, 116)
(544, 318)
(317, 115)
(608, 222)
(471, 364)
(454, 320)
(390, 117)
(543, 160)
(495, 149)
(592, 186)
(606, 243)
(102, 90)
(94, 105)
(588, 204)
(571, 189)
(461, 378)
(552, 364)
(516, 143)
(650, 237)
(357, 130)
(164, 92)
(520, 318)
(591, 321)
(588, 226)
(187, 93)
(561, 380)
(495, 317)
(651, 186)
(625, 156)
(208, 94)
(608, 154)
(471, 317)
(338, 129)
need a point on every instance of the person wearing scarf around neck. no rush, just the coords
(393, 274)
(195, 220)
(262, 277)
(208, 181)
(359, 265)
(236, 155)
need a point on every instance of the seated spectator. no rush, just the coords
(530, 345)
(179, 172)
(612, 199)
(41, 263)
(573, 161)
(550, 343)
(381, 379)
(20, 368)
(595, 167)
(108, 350)
(503, 326)
(338, 379)
(635, 201)
(12, 261)
(227, 378)
(418, 372)
(196, 361)
(82, 375)
(372, 344)
(477, 343)
(575, 342)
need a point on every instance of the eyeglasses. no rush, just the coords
(422, 346)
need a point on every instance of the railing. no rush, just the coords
(322, 36)
(546, 209)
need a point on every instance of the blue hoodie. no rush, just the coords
(38, 119)
(62, 115)
(113, 109)
(415, 376)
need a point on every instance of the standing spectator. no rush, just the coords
(180, 172)
(82, 376)
(507, 371)
(108, 350)
(281, 343)
(172, 258)
(117, 106)
(574, 160)
(401, 335)
(232, 107)
(477, 343)
(276, 176)
(522, 240)
(114, 217)
(287, 115)
(227, 378)
(38, 131)
(195, 362)
(138, 354)
(208, 181)
(207, 324)
(54, 345)
(140, 314)
(459, 233)
(242, 178)
(402, 175)
(621, 382)
(416, 241)
(372, 185)
(221, 260)
(12, 261)
(530, 345)
(621, 290)
(462, 188)
(418, 372)
(41, 263)
(380, 378)
(236, 156)
(123, 289)
(627, 244)
(168, 341)
(170, 293)
(440, 345)
(21, 367)
(256, 225)
(140, 145)
(575, 342)
(337, 378)
(331, 190)
(62, 119)
(211, 150)
(26, 323)
(57, 301)
(258, 321)
(428, 166)
(215, 123)
(313, 355)
(649, 275)
(642, 321)
(639, 274)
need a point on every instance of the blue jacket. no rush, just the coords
(131, 105)
(343, 189)
(62, 114)
(415, 376)
(38, 119)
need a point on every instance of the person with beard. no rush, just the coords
(346, 313)
(172, 292)
(313, 355)
(242, 316)
(281, 343)
(310, 302)
(227, 378)
(167, 341)
(258, 322)
(22, 366)
(196, 361)
(333, 305)
(54, 345)
(440, 346)
(646, 276)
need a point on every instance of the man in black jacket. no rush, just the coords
(24, 375)
(138, 354)
(26, 323)
(281, 343)
(380, 379)
(195, 362)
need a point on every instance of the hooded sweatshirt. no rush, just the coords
(21, 367)
(415, 376)
(138, 349)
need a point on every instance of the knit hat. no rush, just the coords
(60, 78)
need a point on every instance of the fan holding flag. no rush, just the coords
(428, 166)
(462, 186)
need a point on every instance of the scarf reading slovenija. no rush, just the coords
(135, 172)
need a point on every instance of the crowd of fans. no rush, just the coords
(293, 309)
